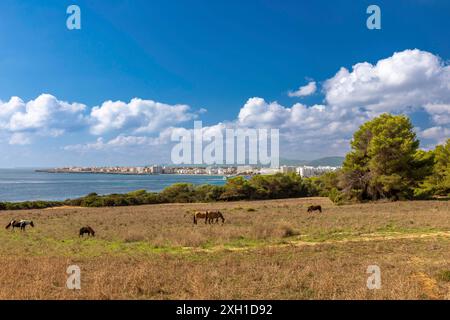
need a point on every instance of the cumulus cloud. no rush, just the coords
(259, 113)
(124, 141)
(118, 142)
(315, 129)
(138, 116)
(44, 116)
(439, 112)
(19, 138)
(438, 134)
(407, 80)
(304, 91)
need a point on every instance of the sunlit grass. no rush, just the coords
(277, 251)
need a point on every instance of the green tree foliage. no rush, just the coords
(179, 192)
(28, 205)
(327, 186)
(279, 186)
(384, 161)
(237, 188)
(209, 193)
(326, 182)
(437, 181)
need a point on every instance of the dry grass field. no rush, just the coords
(265, 250)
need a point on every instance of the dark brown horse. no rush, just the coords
(214, 215)
(87, 230)
(314, 208)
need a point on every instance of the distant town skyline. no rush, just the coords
(226, 171)
(113, 92)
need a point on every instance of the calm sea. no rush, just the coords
(26, 184)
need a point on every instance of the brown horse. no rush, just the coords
(87, 230)
(314, 208)
(211, 215)
(200, 215)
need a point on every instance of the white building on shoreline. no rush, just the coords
(308, 171)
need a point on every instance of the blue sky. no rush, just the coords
(213, 55)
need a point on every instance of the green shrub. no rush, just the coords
(179, 192)
(336, 196)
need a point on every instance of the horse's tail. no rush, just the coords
(9, 225)
(195, 219)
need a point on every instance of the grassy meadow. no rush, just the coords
(265, 250)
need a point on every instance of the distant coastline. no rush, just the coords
(17, 185)
(53, 171)
(223, 171)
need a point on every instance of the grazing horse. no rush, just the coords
(200, 215)
(211, 215)
(315, 208)
(87, 230)
(20, 224)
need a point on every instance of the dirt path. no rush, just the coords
(302, 243)
(63, 208)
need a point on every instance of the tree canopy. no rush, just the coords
(437, 182)
(384, 160)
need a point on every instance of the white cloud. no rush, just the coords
(257, 112)
(124, 141)
(408, 79)
(19, 138)
(301, 118)
(318, 129)
(438, 134)
(440, 112)
(304, 91)
(44, 116)
(405, 82)
(118, 142)
(137, 116)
